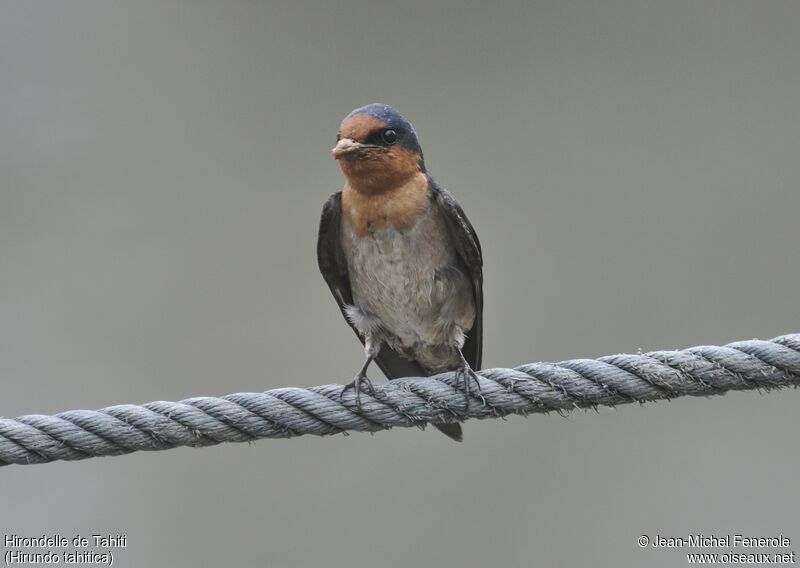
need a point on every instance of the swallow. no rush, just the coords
(400, 257)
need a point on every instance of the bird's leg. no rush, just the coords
(371, 349)
(465, 373)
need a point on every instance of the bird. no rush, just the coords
(401, 258)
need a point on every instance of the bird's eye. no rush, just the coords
(389, 136)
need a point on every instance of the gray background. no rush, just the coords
(632, 170)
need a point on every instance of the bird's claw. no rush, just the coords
(356, 384)
(467, 375)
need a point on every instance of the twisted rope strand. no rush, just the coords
(322, 410)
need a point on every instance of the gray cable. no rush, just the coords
(288, 412)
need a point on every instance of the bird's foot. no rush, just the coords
(467, 375)
(361, 378)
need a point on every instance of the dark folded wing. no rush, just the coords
(463, 236)
(330, 256)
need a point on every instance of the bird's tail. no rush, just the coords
(452, 431)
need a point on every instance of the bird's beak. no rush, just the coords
(348, 147)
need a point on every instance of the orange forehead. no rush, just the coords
(360, 126)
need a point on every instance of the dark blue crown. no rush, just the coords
(406, 136)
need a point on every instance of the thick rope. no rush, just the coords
(289, 412)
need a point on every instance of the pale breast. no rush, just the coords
(409, 278)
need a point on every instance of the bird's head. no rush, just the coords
(377, 149)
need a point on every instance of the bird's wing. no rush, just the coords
(463, 236)
(330, 255)
(333, 266)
